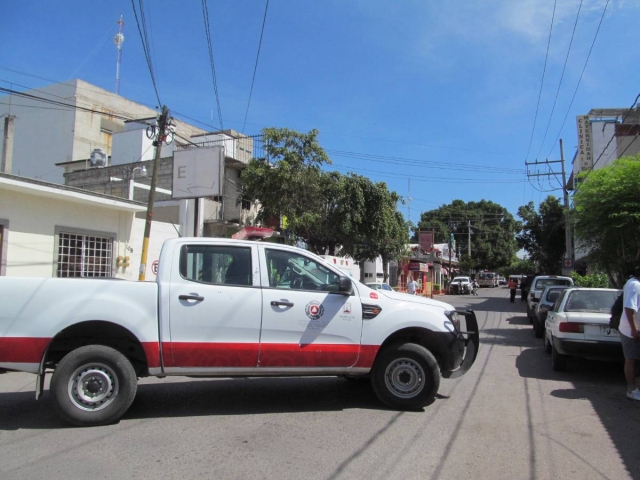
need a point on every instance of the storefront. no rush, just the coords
(418, 270)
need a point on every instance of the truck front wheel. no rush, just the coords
(93, 385)
(406, 377)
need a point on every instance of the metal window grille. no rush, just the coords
(84, 256)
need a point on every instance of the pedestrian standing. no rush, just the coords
(629, 333)
(513, 286)
(412, 285)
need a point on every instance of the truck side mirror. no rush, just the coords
(345, 286)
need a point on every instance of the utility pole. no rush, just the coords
(161, 135)
(567, 263)
(469, 238)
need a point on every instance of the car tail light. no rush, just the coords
(571, 327)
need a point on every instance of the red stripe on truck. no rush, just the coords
(22, 349)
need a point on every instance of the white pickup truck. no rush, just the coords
(226, 308)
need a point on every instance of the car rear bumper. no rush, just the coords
(588, 348)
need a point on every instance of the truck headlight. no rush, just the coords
(454, 318)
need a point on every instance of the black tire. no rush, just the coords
(93, 385)
(538, 329)
(405, 377)
(558, 361)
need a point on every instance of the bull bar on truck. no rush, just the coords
(469, 339)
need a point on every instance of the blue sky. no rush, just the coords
(441, 93)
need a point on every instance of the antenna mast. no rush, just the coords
(118, 39)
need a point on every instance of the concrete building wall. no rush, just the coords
(31, 250)
(47, 134)
(601, 133)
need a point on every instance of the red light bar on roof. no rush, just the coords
(252, 233)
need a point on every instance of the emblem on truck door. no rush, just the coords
(314, 310)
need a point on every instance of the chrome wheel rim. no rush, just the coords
(404, 377)
(93, 387)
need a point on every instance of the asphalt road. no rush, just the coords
(510, 417)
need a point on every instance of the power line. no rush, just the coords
(581, 75)
(255, 67)
(145, 44)
(417, 162)
(427, 178)
(555, 100)
(207, 31)
(544, 69)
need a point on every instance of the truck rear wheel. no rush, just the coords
(93, 385)
(406, 377)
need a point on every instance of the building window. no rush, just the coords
(84, 255)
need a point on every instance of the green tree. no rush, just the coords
(377, 227)
(607, 217)
(542, 234)
(292, 184)
(326, 210)
(493, 231)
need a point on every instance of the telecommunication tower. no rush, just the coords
(118, 39)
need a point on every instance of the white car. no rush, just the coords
(578, 326)
(538, 284)
(380, 286)
(460, 285)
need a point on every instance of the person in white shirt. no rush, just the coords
(629, 333)
(412, 285)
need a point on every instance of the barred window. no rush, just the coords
(84, 255)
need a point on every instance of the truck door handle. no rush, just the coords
(275, 303)
(191, 297)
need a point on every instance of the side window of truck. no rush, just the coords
(289, 270)
(216, 265)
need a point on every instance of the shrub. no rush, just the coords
(594, 280)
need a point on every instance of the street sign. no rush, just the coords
(197, 172)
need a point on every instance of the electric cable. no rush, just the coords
(207, 31)
(255, 67)
(564, 67)
(145, 46)
(581, 75)
(544, 69)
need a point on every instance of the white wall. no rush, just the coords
(46, 134)
(31, 249)
(601, 134)
(159, 233)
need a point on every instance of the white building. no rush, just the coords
(50, 230)
(604, 135)
(44, 133)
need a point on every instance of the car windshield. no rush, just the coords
(591, 301)
(461, 279)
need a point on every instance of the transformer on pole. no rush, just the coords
(118, 39)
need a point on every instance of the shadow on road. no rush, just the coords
(200, 397)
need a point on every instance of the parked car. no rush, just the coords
(380, 286)
(460, 286)
(502, 281)
(578, 326)
(548, 299)
(536, 287)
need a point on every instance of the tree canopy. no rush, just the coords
(607, 217)
(326, 210)
(492, 227)
(543, 234)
